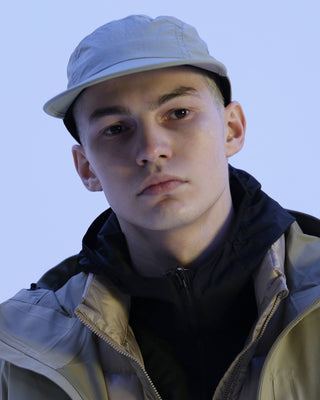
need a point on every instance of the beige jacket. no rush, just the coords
(51, 342)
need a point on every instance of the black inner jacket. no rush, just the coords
(192, 322)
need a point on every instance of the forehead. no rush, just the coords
(148, 83)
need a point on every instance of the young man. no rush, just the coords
(194, 284)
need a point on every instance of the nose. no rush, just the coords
(154, 145)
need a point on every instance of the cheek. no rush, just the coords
(107, 158)
(115, 190)
(206, 146)
(115, 177)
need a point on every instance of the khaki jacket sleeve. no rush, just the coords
(3, 382)
(18, 383)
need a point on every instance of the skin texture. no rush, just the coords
(157, 144)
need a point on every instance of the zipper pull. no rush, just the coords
(182, 276)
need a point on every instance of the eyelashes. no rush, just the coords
(179, 113)
(129, 125)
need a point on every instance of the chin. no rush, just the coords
(166, 221)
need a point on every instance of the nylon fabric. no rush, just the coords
(167, 312)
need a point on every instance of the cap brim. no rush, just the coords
(58, 105)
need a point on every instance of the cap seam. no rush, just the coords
(180, 38)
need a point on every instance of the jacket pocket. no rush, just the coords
(285, 386)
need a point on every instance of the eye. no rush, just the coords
(115, 129)
(179, 113)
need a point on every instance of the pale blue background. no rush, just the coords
(271, 50)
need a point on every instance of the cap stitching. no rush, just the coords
(181, 42)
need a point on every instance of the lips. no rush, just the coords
(159, 184)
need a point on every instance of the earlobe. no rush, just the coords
(235, 123)
(84, 169)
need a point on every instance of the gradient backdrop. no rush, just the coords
(271, 50)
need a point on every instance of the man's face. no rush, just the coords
(157, 144)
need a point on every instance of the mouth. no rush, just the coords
(160, 184)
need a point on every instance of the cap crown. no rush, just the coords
(133, 44)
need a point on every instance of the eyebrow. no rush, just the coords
(112, 110)
(180, 91)
(105, 111)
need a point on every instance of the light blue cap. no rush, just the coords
(134, 44)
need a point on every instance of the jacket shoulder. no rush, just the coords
(309, 225)
(57, 276)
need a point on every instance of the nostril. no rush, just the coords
(153, 151)
(145, 161)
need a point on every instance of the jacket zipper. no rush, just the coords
(104, 337)
(234, 372)
(183, 277)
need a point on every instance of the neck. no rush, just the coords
(153, 253)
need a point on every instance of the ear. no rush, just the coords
(84, 169)
(235, 124)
